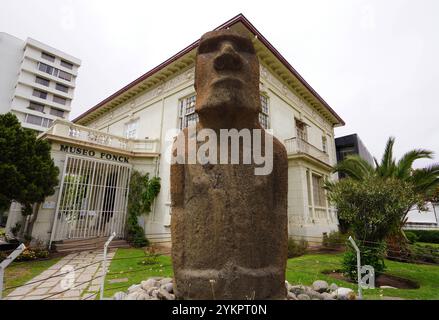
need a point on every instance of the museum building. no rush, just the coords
(134, 128)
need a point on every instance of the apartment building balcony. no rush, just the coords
(66, 131)
(297, 148)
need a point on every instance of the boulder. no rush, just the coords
(165, 281)
(327, 296)
(169, 287)
(291, 296)
(119, 295)
(320, 286)
(132, 296)
(333, 287)
(162, 294)
(297, 289)
(149, 283)
(134, 288)
(303, 296)
(345, 294)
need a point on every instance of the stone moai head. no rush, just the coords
(226, 75)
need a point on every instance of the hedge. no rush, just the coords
(430, 236)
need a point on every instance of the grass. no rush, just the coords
(18, 273)
(125, 264)
(434, 245)
(306, 269)
(301, 270)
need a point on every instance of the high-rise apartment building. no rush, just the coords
(37, 81)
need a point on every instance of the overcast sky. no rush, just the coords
(374, 62)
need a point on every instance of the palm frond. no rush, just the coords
(386, 168)
(404, 166)
(426, 180)
(354, 167)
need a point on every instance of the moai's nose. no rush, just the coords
(227, 59)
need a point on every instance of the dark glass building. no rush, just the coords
(351, 144)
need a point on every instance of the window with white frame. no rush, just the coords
(264, 114)
(131, 129)
(188, 116)
(186, 112)
(317, 191)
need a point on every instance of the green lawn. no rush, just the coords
(306, 269)
(302, 270)
(125, 264)
(19, 273)
(434, 245)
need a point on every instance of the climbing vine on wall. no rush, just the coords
(143, 191)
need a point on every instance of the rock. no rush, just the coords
(134, 288)
(313, 294)
(149, 283)
(150, 290)
(172, 296)
(288, 286)
(327, 296)
(119, 296)
(165, 281)
(154, 293)
(169, 287)
(387, 287)
(345, 294)
(333, 287)
(162, 294)
(297, 289)
(132, 296)
(143, 296)
(291, 296)
(320, 286)
(303, 296)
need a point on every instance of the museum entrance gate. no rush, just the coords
(93, 199)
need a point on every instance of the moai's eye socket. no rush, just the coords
(208, 46)
(244, 45)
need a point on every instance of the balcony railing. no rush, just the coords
(70, 130)
(298, 146)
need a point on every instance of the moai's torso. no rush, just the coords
(231, 228)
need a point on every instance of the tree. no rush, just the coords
(424, 182)
(372, 206)
(27, 172)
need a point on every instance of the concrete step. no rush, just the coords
(88, 244)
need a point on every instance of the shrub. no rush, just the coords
(430, 236)
(33, 254)
(411, 236)
(369, 255)
(296, 248)
(334, 240)
(143, 191)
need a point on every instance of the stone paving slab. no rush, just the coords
(50, 287)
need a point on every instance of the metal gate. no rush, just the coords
(93, 199)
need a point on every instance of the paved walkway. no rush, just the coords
(81, 284)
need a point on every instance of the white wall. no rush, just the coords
(11, 53)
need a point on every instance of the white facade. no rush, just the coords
(38, 81)
(140, 121)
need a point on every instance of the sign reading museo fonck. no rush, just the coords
(92, 153)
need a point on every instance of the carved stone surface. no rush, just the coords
(229, 226)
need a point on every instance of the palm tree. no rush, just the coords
(424, 181)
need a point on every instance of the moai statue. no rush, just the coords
(229, 223)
